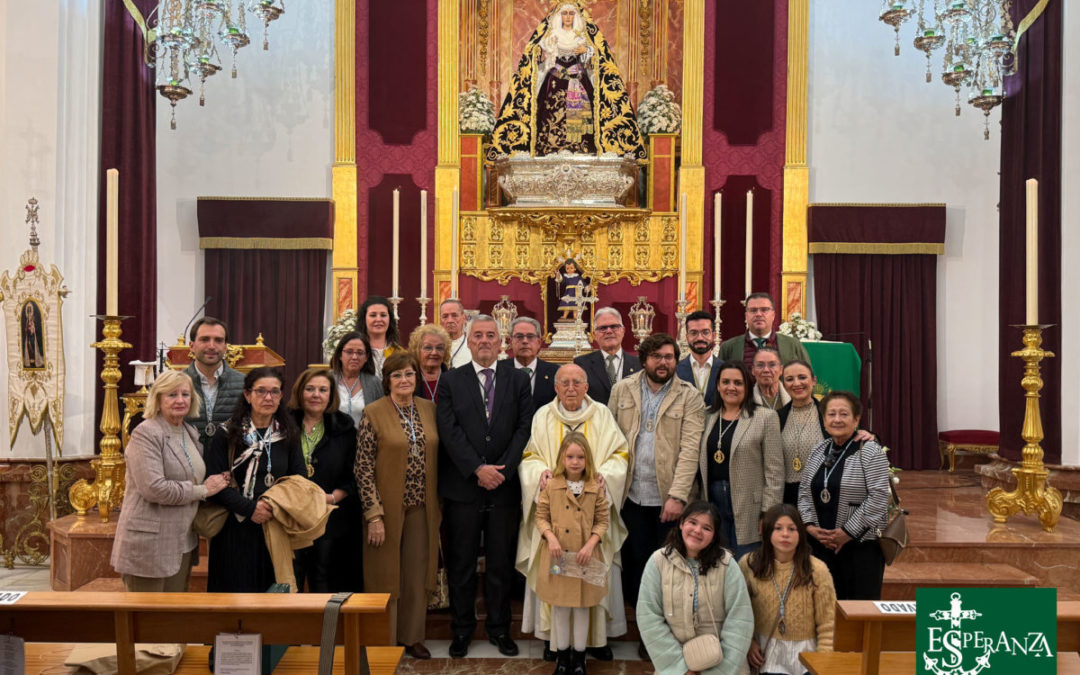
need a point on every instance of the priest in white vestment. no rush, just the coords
(573, 410)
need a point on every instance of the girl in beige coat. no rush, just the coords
(572, 515)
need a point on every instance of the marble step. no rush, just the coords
(902, 578)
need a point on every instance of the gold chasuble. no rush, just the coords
(609, 449)
(562, 67)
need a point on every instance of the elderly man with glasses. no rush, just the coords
(526, 337)
(573, 410)
(609, 363)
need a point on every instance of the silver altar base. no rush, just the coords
(570, 336)
(566, 179)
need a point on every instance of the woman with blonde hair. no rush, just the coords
(155, 547)
(430, 346)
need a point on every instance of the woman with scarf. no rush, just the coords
(261, 443)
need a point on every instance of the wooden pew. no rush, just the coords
(127, 618)
(860, 627)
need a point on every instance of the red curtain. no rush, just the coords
(885, 305)
(128, 144)
(1031, 148)
(266, 270)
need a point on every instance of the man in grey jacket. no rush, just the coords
(217, 385)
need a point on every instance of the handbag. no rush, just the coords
(210, 517)
(702, 652)
(894, 536)
(440, 597)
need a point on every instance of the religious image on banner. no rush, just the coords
(31, 298)
(567, 94)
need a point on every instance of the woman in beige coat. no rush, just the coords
(155, 546)
(396, 470)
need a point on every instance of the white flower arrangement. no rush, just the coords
(658, 113)
(476, 112)
(799, 328)
(345, 324)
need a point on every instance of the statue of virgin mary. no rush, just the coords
(566, 94)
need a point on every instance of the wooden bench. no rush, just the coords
(902, 578)
(186, 618)
(46, 658)
(860, 627)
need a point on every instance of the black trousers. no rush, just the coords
(317, 566)
(464, 523)
(857, 570)
(645, 534)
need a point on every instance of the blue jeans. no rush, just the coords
(720, 496)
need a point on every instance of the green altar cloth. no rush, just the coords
(836, 364)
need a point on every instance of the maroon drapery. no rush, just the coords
(887, 301)
(127, 144)
(266, 271)
(1031, 148)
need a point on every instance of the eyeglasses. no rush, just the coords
(766, 366)
(698, 333)
(433, 348)
(609, 327)
(758, 310)
(571, 383)
(662, 357)
(525, 336)
(266, 393)
(353, 353)
(402, 374)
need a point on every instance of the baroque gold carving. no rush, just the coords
(522, 257)
(669, 230)
(641, 257)
(645, 31)
(615, 256)
(496, 231)
(468, 229)
(468, 256)
(642, 232)
(670, 254)
(482, 27)
(614, 234)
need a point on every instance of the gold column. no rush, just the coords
(448, 170)
(345, 269)
(692, 173)
(796, 173)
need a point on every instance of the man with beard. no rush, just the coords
(453, 320)
(662, 418)
(699, 368)
(759, 333)
(767, 389)
(573, 411)
(217, 385)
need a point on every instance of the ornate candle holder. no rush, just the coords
(680, 318)
(395, 301)
(107, 488)
(423, 300)
(717, 306)
(641, 319)
(1032, 493)
(504, 312)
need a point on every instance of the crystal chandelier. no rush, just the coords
(190, 36)
(978, 39)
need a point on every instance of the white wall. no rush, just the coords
(1070, 241)
(50, 66)
(879, 133)
(268, 133)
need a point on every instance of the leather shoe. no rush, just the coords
(506, 646)
(600, 653)
(418, 651)
(643, 652)
(548, 654)
(459, 646)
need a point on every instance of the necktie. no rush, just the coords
(528, 373)
(612, 376)
(760, 342)
(489, 389)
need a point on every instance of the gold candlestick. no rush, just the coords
(1032, 494)
(107, 489)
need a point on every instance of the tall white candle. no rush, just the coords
(749, 242)
(423, 244)
(1032, 304)
(716, 245)
(454, 206)
(397, 237)
(682, 247)
(112, 248)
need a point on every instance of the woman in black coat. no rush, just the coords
(328, 441)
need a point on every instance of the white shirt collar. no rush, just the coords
(478, 368)
(754, 337)
(532, 366)
(706, 366)
(203, 379)
(618, 355)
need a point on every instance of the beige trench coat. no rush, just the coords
(573, 520)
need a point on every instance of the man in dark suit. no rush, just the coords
(485, 414)
(526, 336)
(610, 363)
(760, 316)
(699, 368)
